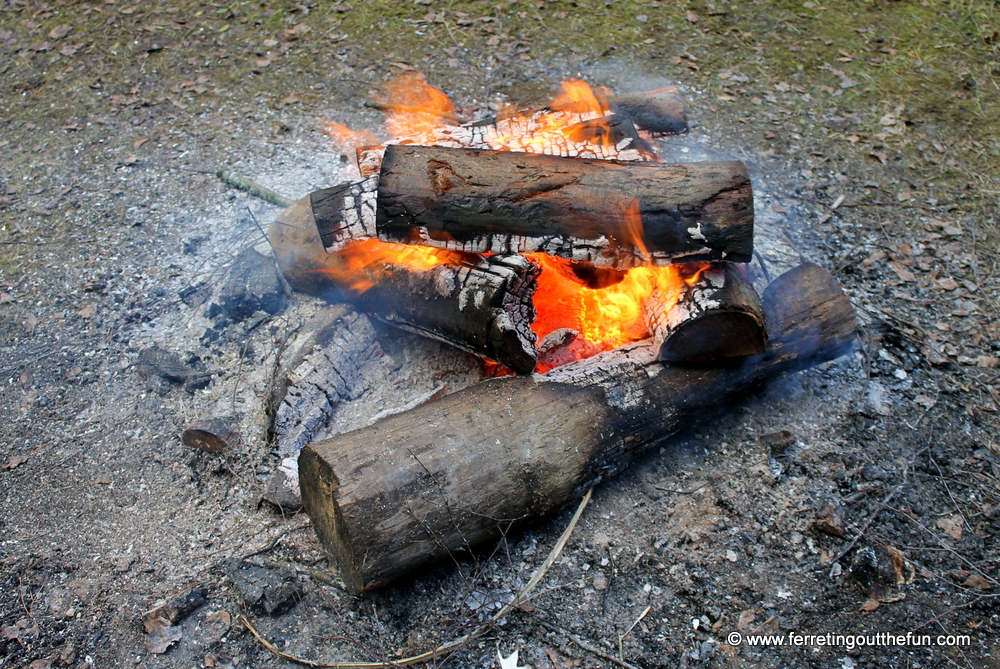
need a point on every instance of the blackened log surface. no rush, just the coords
(610, 213)
(459, 471)
(253, 284)
(660, 112)
(345, 213)
(719, 316)
(334, 370)
(483, 306)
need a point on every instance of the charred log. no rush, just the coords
(480, 305)
(615, 214)
(717, 316)
(459, 471)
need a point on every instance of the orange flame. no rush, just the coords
(605, 317)
(538, 132)
(361, 265)
(345, 139)
(415, 109)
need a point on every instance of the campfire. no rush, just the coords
(610, 290)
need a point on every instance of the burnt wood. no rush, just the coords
(610, 213)
(480, 305)
(716, 317)
(459, 471)
(483, 306)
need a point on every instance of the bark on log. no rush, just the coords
(482, 305)
(459, 471)
(718, 316)
(610, 213)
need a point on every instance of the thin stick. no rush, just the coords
(584, 644)
(242, 183)
(451, 646)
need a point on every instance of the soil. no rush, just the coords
(872, 137)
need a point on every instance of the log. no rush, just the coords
(459, 471)
(656, 113)
(480, 305)
(717, 316)
(610, 213)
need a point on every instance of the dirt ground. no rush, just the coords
(871, 131)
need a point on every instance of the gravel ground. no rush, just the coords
(871, 134)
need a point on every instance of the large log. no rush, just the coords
(459, 471)
(715, 316)
(610, 213)
(480, 305)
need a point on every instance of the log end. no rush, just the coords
(718, 335)
(319, 498)
(300, 254)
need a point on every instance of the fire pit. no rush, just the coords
(585, 273)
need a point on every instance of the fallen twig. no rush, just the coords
(584, 644)
(450, 647)
(233, 179)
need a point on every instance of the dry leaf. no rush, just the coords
(221, 617)
(947, 283)
(978, 582)
(59, 32)
(162, 637)
(870, 605)
(14, 462)
(903, 273)
(951, 526)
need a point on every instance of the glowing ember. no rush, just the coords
(536, 132)
(605, 317)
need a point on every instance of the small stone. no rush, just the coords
(600, 581)
(830, 519)
(873, 473)
(731, 555)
